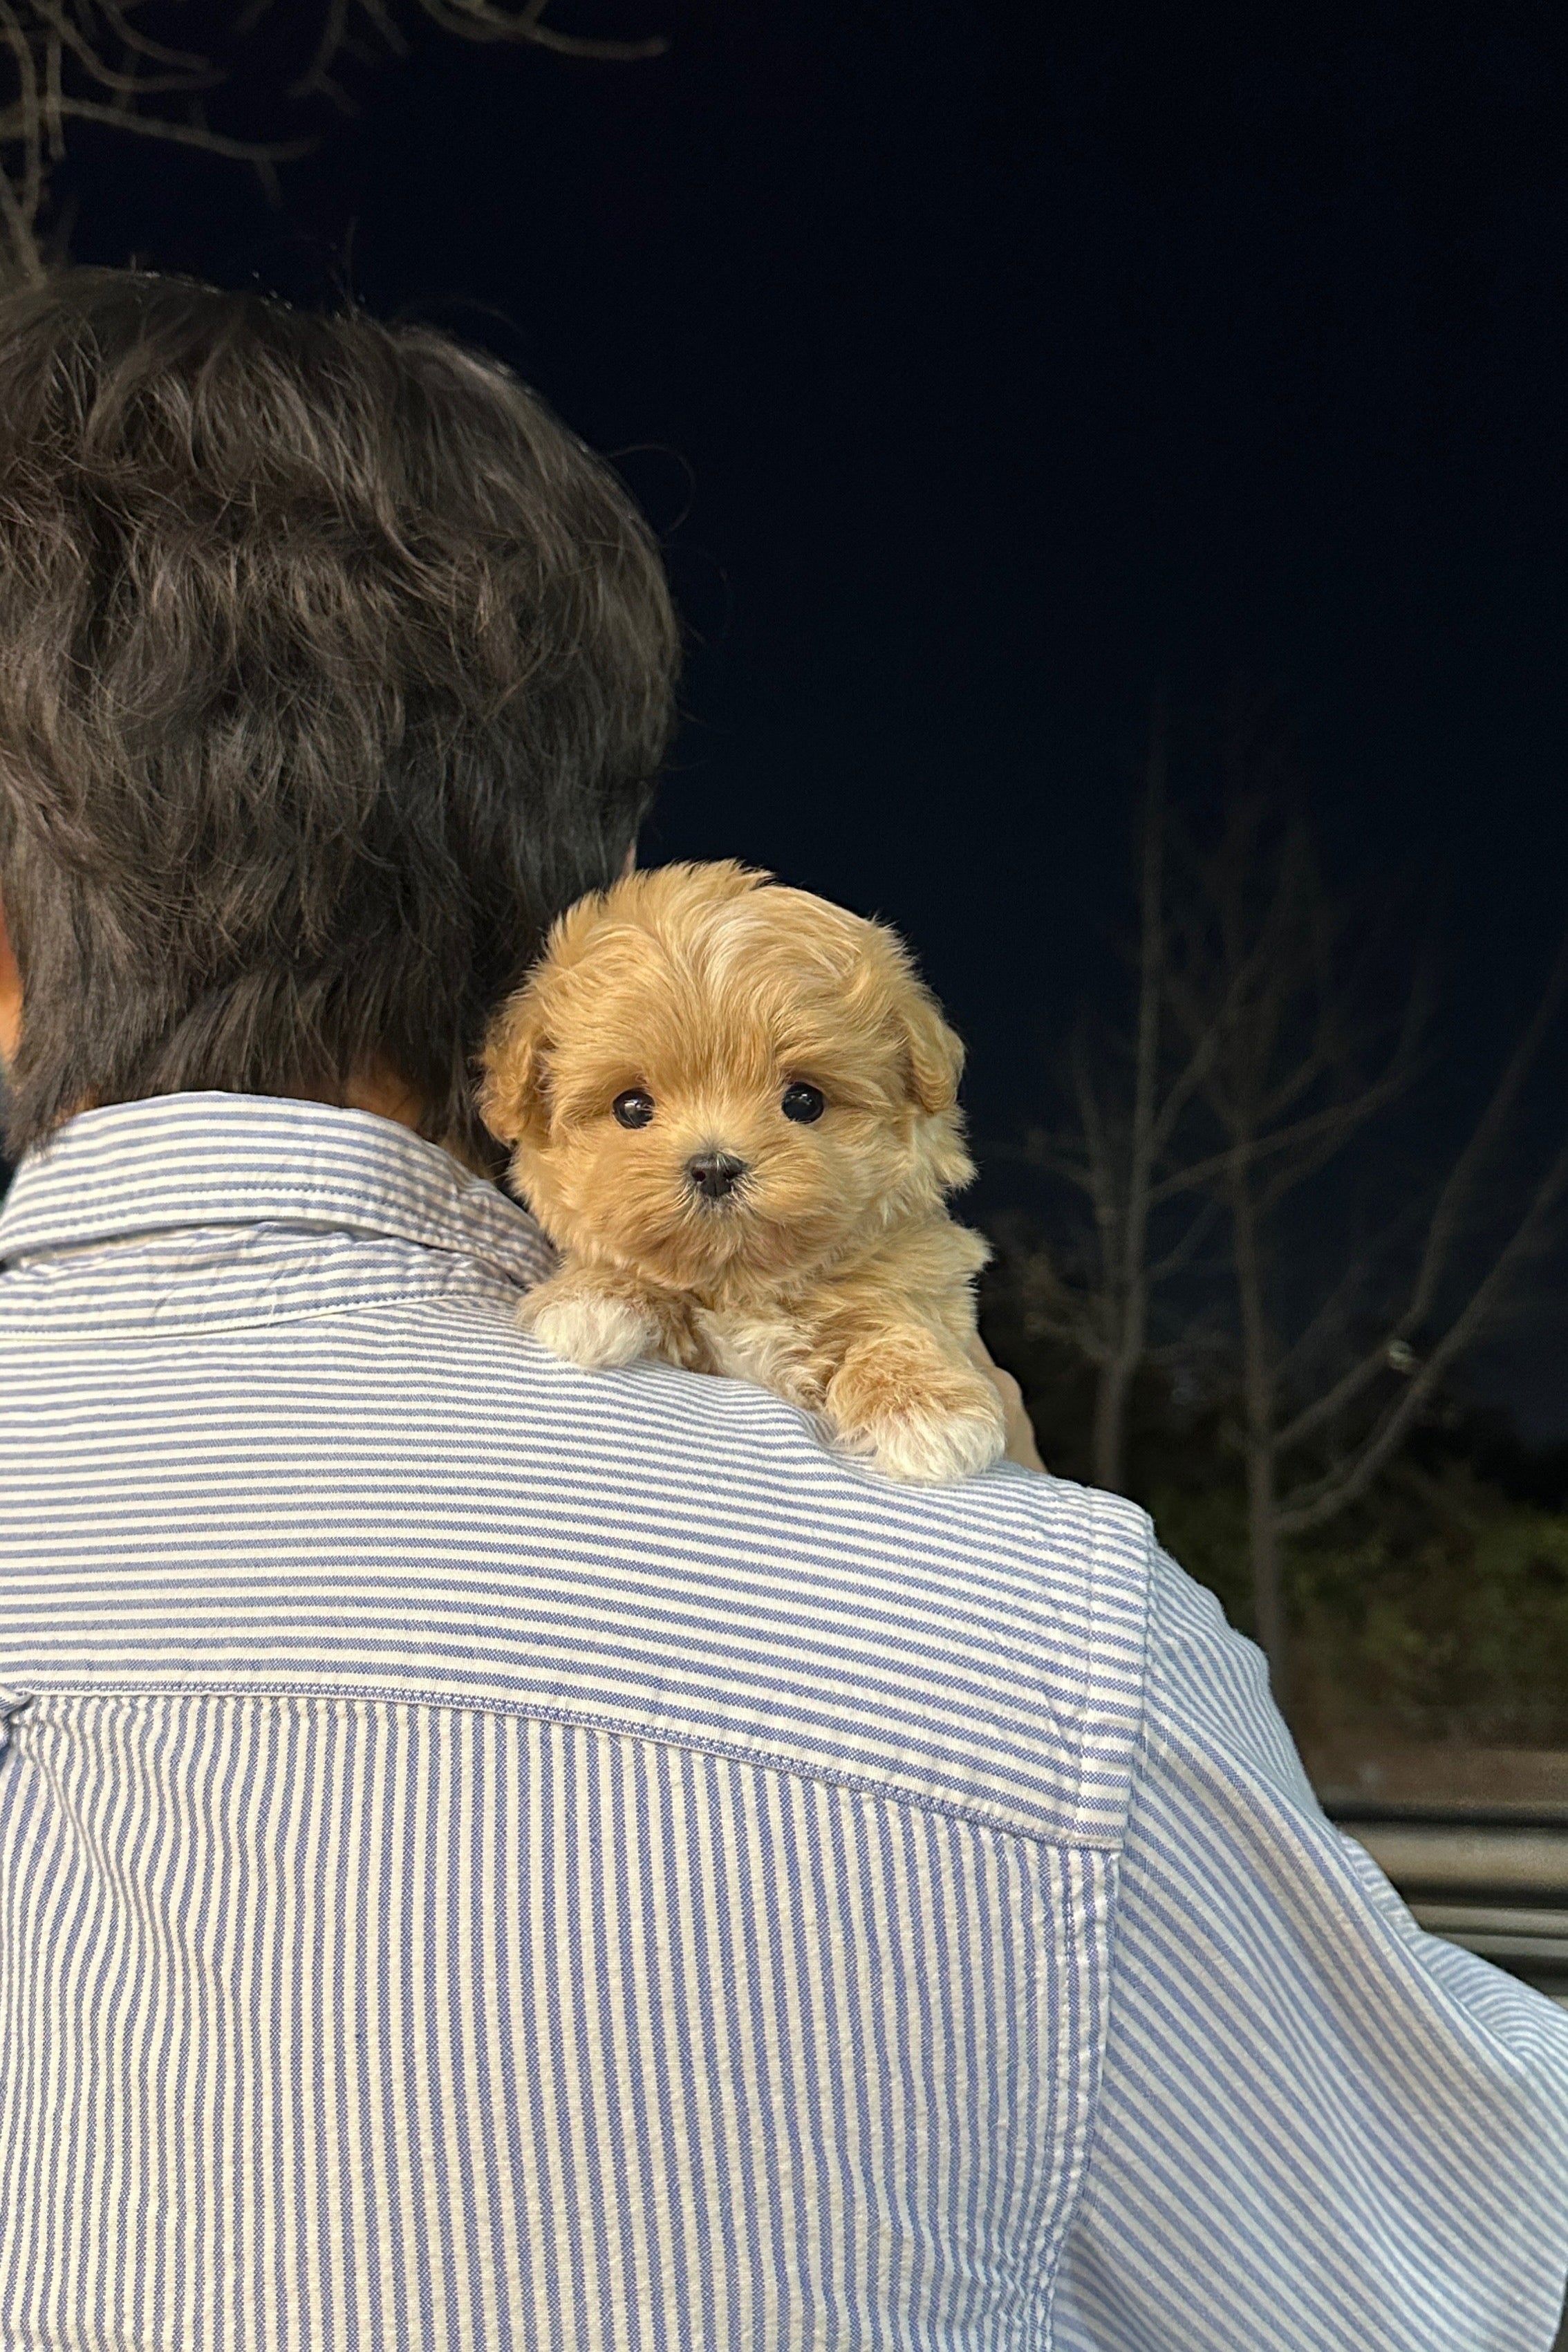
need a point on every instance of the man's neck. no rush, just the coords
(381, 1092)
(387, 1095)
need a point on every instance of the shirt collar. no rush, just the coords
(204, 1159)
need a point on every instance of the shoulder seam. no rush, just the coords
(861, 1784)
(1105, 1507)
(167, 1327)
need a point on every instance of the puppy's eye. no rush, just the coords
(634, 1109)
(803, 1104)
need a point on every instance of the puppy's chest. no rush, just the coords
(774, 1350)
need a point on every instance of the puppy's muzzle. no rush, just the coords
(714, 1175)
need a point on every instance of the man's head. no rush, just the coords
(332, 668)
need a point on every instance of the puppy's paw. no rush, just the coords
(589, 1327)
(931, 1449)
(918, 1416)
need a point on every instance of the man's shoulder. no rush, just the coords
(640, 1435)
(1008, 1608)
(404, 1498)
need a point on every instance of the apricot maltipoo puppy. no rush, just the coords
(733, 1108)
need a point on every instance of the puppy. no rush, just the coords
(733, 1108)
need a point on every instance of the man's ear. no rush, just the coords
(935, 1055)
(515, 1098)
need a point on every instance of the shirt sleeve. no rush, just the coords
(1317, 2128)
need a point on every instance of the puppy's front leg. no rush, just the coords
(597, 1316)
(915, 1406)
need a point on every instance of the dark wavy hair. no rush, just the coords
(332, 666)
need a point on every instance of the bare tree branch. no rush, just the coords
(71, 61)
(1444, 1230)
(1321, 1131)
(1310, 1503)
(29, 195)
(54, 96)
(187, 134)
(1180, 1256)
(474, 21)
(189, 74)
(1256, 1055)
(117, 19)
(1121, 1148)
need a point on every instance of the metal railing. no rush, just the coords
(1494, 1879)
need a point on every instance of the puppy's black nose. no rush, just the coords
(714, 1174)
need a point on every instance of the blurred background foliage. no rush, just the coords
(1433, 1610)
(1260, 1234)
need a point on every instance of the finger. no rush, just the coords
(1022, 1445)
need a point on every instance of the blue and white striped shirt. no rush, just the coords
(493, 1856)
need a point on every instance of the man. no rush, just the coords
(498, 1856)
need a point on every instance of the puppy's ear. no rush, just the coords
(513, 1099)
(935, 1055)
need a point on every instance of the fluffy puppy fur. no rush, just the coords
(641, 1078)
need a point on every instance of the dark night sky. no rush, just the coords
(984, 365)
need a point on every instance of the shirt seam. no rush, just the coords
(1099, 1616)
(1090, 1653)
(501, 1286)
(426, 1228)
(1085, 2197)
(1085, 2187)
(239, 1187)
(860, 1783)
(1087, 2202)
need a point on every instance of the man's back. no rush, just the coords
(497, 1855)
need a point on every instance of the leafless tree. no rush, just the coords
(1268, 977)
(1118, 1149)
(1253, 1055)
(1261, 973)
(67, 62)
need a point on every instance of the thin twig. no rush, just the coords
(191, 135)
(1324, 1498)
(478, 23)
(118, 20)
(53, 61)
(60, 50)
(30, 194)
(199, 75)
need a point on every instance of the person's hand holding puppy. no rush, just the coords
(733, 1108)
(1023, 1446)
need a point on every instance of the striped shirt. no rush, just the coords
(495, 1855)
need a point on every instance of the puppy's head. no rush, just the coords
(705, 1073)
